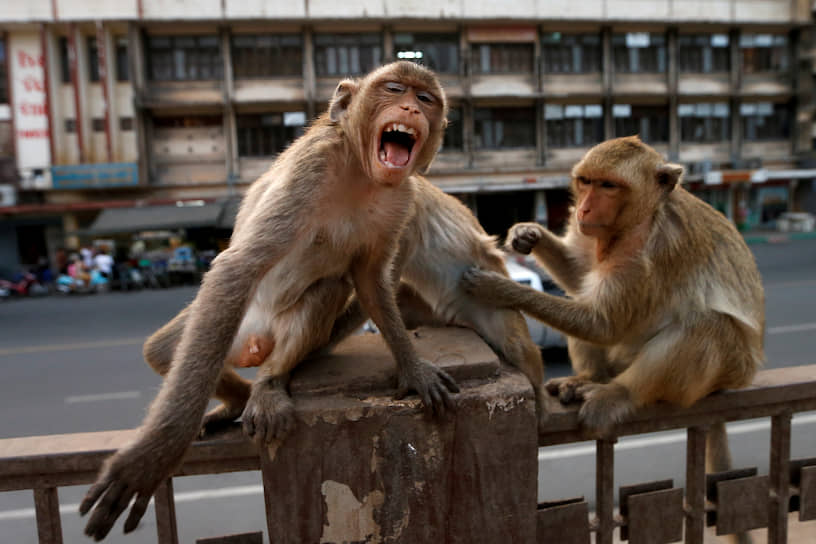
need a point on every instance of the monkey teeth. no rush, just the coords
(394, 127)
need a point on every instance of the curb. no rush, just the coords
(777, 237)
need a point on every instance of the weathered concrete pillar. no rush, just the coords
(363, 467)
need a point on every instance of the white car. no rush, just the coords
(542, 335)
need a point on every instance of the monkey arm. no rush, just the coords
(376, 295)
(571, 317)
(174, 417)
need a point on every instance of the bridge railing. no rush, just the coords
(426, 481)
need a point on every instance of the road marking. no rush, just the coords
(187, 496)
(103, 396)
(672, 438)
(78, 345)
(792, 328)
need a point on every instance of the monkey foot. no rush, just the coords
(219, 418)
(269, 414)
(605, 405)
(567, 388)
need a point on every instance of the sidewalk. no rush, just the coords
(776, 237)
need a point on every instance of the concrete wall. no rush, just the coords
(698, 11)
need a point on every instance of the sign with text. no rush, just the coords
(29, 101)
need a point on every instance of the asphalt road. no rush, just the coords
(73, 364)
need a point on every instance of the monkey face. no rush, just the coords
(598, 203)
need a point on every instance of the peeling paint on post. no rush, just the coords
(347, 519)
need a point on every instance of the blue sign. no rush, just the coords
(91, 176)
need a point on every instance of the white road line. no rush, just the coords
(672, 438)
(792, 328)
(103, 396)
(79, 345)
(187, 496)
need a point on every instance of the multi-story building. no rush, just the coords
(110, 107)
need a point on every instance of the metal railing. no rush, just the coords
(648, 513)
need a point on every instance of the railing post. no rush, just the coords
(49, 526)
(166, 513)
(779, 479)
(605, 490)
(695, 484)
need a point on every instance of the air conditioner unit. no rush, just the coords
(8, 195)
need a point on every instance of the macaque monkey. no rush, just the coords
(325, 219)
(666, 302)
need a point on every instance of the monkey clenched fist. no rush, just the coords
(665, 299)
(325, 220)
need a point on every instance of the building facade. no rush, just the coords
(133, 103)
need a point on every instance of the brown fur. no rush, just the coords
(666, 302)
(325, 219)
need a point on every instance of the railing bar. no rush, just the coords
(165, 505)
(49, 525)
(605, 490)
(779, 479)
(695, 485)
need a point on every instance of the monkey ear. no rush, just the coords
(669, 175)
(342, 98)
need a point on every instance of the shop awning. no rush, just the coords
(118, 220)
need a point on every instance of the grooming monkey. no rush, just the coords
(666, 302)
(328, 218)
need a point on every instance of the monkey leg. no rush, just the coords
(590, 364)
(232, 390)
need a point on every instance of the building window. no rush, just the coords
(184, 58)
(574, 125)
(639, 53)
(347, 54)
(439, 52)
(704, 123)
(122, 65)
(65, 63)
(260, 56)
(765, 121)
(703, 53)
(70, 125)
(93, 59)
(764, 53)
(266, 135)
(98, 124)
(454, 133)
(4, 97)
(502, 58)
(126, 124)
(571, 53)
(651, 123)
(504, 128)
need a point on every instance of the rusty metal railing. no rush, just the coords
(650, 513)
(735, 501)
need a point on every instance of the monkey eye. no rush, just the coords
(606, 184)
(425, 97)
(395, 87)
(584, 181)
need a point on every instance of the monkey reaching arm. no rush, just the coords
(325, 219)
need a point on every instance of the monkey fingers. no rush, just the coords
(219, 418)
(566, 389)
(523, 237)
(432, 384)
(115, 500)
(270, 413)
(605, 405)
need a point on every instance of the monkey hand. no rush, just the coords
(433, 385)
(270, 413)
(489, 287)
(523, 237)
(566, 388)
(605, 405)
(134, 471)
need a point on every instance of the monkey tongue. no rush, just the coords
(396, 154)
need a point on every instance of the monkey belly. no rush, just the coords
(279, 337)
